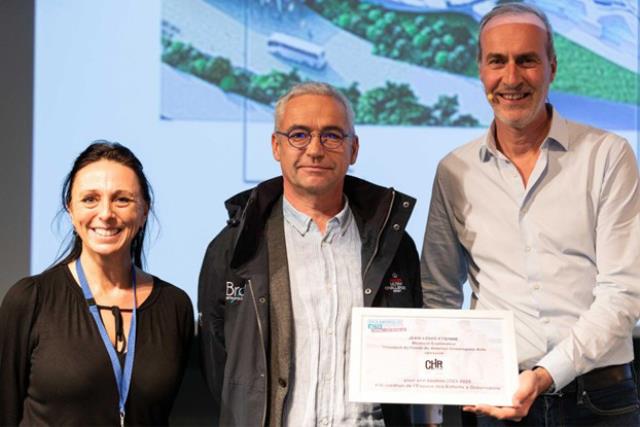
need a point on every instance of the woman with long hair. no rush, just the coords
(95, 340)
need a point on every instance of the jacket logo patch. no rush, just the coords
(396, 284)
(234, 294)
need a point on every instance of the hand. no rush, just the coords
(532, 384)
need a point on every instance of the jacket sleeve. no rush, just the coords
(211, 301)
(17, 314)
(443, 263)
(415, 271)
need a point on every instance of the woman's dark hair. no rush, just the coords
(105, 150)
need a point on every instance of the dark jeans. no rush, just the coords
(617, 405)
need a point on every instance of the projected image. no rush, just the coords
(189, 86)
(408, 62)
(397, 68)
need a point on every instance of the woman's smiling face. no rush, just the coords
(107, 208)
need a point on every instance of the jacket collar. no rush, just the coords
(250, 209)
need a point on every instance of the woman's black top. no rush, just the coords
(55, 370)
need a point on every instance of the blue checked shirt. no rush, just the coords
(326, 282)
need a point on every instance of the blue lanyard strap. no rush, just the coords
(123, 378)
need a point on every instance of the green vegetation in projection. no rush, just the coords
(582, 72)
(396, 104)
(447, 41)
(444, 41)
(392, 104)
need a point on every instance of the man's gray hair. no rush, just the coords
(313, 88)
(518, 9)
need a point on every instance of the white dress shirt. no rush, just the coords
(562, 253)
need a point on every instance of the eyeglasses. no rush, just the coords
(330, 139)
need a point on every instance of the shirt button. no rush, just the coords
(367, 291)
(536, 286)
(325, 421)
(329, 331)
(527, 249)
(545, 320)
(282, 382)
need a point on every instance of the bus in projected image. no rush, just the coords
(297, 50)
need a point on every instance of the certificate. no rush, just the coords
(454, 357)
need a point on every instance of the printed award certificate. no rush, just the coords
(453, 357)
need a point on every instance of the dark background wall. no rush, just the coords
(16, 118)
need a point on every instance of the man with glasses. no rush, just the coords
(278, 283)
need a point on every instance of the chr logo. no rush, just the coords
(433, 364)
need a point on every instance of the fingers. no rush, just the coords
(522, 400)
(499, 412)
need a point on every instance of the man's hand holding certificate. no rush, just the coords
(433, 356)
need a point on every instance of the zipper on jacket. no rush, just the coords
(264, 355)
(384, 224)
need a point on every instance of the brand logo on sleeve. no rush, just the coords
(234, 293)
(396, 284)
